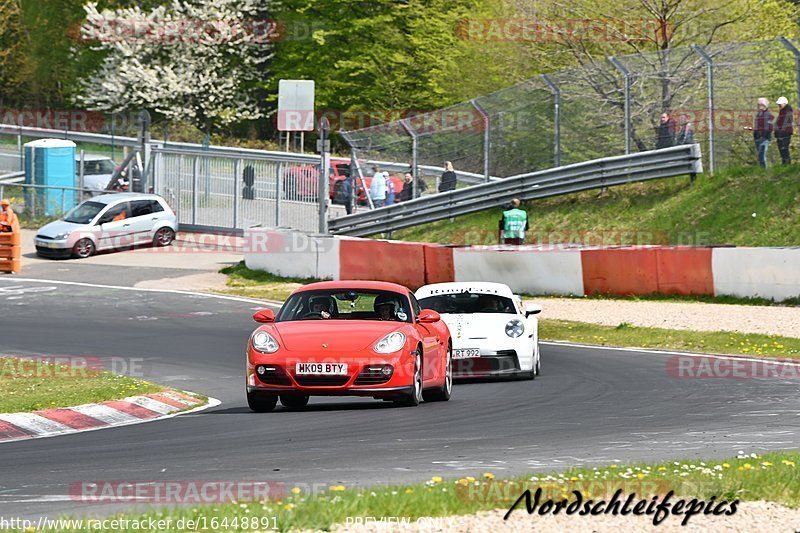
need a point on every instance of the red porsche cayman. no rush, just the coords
(348, 338)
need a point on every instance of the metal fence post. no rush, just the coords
(414, 157)
(487, 137)
(556, 119)
(278, 193)
(626, 76)
(194, 190)
(793, 49)
(710, 84)
(237, 170)
(20, 149)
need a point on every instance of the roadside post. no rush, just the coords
(324, 148)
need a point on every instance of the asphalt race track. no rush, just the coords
(589, 406)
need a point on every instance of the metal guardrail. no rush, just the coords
(12, 177)
(595, 174)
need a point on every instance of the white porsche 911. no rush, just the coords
(491, 332)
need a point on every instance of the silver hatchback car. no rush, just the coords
(107, 222)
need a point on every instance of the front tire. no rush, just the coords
(261, 403)
(163, 237)
(443, 393)
(414, 399)
(294, 402)
(83, 248)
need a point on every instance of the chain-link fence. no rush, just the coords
(607, 108)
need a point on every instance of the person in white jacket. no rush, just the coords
(377, 189)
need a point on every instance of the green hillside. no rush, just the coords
(743, 206)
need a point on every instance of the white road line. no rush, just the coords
(36, 424)
(104, 413)
(141, 289)
(669, 352)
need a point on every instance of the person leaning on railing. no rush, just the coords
(8, 218)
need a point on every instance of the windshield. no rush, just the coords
(467, 303)
(84, 213)
(99, 167)
(345, 304)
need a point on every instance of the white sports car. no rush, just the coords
(492, 334)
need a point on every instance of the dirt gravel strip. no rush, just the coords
(750, 517)
(770, 320)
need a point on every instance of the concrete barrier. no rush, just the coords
(745, 272)
(757, 272)
(528, 270)
(292, 254)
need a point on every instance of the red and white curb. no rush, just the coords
(93, 416)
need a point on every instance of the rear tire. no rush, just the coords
(294, 402)
(414, 399)
(260, 402)
(83, 248)
(443, 393)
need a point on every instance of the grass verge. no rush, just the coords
(771, 477)
(243, 281)
(627, 335)
(30, 385)
(745, 206)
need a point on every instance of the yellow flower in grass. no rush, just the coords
(748, 466)
(336, 488)
(766, 463)
(725, 465)
(613, 466)
(470, 479)
(463, 482)
(640, 475)
(662, 468)
(436, 479)
(289, 506)
(409, 491)
(296, 490)
(488, 475)
(787, 463)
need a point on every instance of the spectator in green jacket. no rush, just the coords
(513, 224)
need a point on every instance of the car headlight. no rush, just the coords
(390, 343)
(61, 236)
(515, 328)
(264, 342)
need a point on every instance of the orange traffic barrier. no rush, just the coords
(664, 270)
(438, 264)
(398, 262)
(10, 252)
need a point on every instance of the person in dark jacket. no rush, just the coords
(665, 132)
(763, 126)
(449, 179)
(407, 192)
(784, 129)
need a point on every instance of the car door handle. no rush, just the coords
(125, 225)
(154, 218)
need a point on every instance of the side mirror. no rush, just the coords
(429, 316)
(532, 309)
(264, 316)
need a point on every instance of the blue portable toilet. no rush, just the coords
(50, 162)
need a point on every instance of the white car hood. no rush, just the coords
(478, 327)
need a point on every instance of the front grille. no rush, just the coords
(371, 376)
(502, 361)
(274, 375)
(44, 237)
(322, 381)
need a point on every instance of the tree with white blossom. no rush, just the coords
(196, 61)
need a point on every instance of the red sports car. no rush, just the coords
(348, 338)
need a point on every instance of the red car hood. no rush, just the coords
(339, 335)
